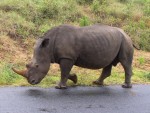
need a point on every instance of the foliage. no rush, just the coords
(123, 0)
(84, 21)
(35, 17)
(95, 6)
(141, 60)
(32, 18)
(147, 76)
(7, 76)
(82, 2)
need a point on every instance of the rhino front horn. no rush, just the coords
(22, 72)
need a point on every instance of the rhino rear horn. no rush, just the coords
(21, 72)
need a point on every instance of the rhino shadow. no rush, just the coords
(73, 92)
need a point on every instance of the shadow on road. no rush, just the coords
(79, 92)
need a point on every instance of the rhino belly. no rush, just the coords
(96, 60)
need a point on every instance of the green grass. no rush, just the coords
(84, 21)
(141, 60)
(7, 77)
(24, 19)
(35, 17)
(32, 18)
(85, 77)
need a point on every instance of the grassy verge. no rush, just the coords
(22, 21)
(85, 76)
(35, 17)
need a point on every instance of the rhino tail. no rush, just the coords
(138, 48)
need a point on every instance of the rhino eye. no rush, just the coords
(27, 65)
(36, 65)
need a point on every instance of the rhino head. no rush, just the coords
(37, 69)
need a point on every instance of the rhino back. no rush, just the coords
(89, 47)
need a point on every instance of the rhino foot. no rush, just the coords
(73, 77)
(127, 85)
(97, 82)
(61, 87)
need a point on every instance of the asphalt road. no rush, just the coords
(108, 99)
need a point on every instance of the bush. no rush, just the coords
(144, 42)
(95, 6)
(34, 17)
(123, 1)
(54, 9)
(31, 18)
(147, 9)
(82, 2)
(15, 25)
(7, 75)
(141, 60)
(84, 21)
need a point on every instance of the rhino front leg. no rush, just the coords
(105, 73)
(65, 67)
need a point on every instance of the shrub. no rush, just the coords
(95, 6)
(7, 75)
(84, 21)
(31, 18)
(147, 76)
(123, 1)
(147, 9)
(144, 42)
(15, 25)
(141, 60)
(82, 2)
(34, 17)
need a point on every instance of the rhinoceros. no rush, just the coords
(92, 47)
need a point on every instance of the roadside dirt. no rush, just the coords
(12, 50)
(142, 60)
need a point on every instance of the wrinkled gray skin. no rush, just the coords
(92, 47)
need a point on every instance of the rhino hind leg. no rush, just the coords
(73, 78)
(128, 74)
(106, 72)
(65, 67)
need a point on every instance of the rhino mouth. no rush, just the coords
(33, 82)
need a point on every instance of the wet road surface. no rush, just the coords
(108, 99)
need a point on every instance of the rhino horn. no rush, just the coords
(21, 72)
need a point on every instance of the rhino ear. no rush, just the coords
(44, 43)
